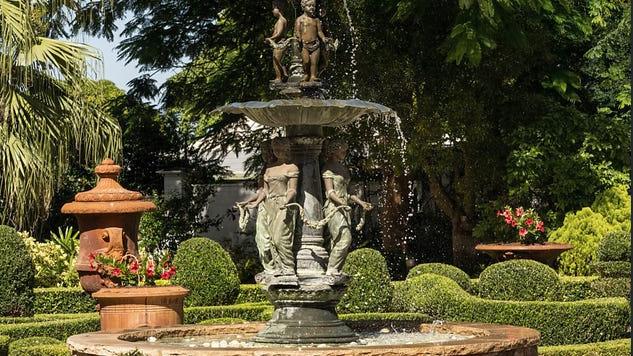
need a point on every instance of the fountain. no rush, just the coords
(297, 200)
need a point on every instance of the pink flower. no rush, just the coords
(150, 268)
(133, 267)
(514, 223)
(509, 221)
(523, 232)
(519, 211)
(165, 275)
(116, 272)
(540, 226)
(529, 221)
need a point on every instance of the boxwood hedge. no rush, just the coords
(222, 321)
(607, 348)
(615, 246)
(248, 311)
(4, 345)
(519, 280)
(60, 328)
(370, 287)
(42, 350)
(251, 293)
(32, 341)
(63, 300)
(612, 269)
(445, 270)
(17, 275)
(559, 322)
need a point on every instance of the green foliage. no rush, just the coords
(519, 280)
(59, 328)
(615, 205)
(619, 347)
(4, 345)
(558, 322)
(377, 321)
(251, 293)
(577, 288)
(53, 266)
(42, 350)
(222, 321)
(612, 269)
(370, 287)
(249, 311)
(63, 300)
(206, 269)
(583, 230)
(611, 287)
(18, 275)
(615, 246)
(68, 240)
(442, 269)
(32, 341)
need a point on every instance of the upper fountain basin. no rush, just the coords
(291, 112)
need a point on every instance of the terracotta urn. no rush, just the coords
(138, 307)
(546, 253)
(108, 217)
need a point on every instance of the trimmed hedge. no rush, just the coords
(222, 321)
(207, 270)
(399, 303)
(611, 287)
(576, 288)
(42, 350)
(612, 269)
(422, 318)
(32, 341)
(607, 348)
(63, 300)
(251, 293)
(445, 270)
(522, 280)
(249, 312)
(559, 322)
(18, 275)
(615, 246)
(370, 287)
(58, 329)
(4, 345)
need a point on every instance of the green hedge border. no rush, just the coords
(4, 345)
(42, 350)
(247, 311)
(58, 329)
(63, 301)
(619, 347)
(251, 293)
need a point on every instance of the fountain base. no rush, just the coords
(306, 314)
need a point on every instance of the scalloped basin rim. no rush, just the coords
(292, 112)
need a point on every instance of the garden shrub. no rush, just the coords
(615, 246)
(611, 287)
(612, 269)
(42, 350)
(370, 288)
(619, 347)
(250, 312)
(519, 280)
(377, 321)
(584, 230)
(559, 322)
(4, 345)
(576, 288)
(18, 275)
(222, 321)
(32, 341)
(60, 328)
(63, 300)
(445, 270)
(206, 269)
(399, 303)
(615, 205)
(251, 293)
(53, 267)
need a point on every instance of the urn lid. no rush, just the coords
(108, 197)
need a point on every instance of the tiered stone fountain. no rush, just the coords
(302, 277)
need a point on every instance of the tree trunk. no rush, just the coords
(463, 243)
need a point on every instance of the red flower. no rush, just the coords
(519, 211)
(133, 267)
(116, 272)
(150, 269)
(165, 275)
(540, 226)
(523, 232)
(529, 222)
(91, 259)
(514, 223)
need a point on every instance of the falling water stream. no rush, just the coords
(355, 41)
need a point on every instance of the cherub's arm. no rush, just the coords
(280, 28)
(320, 31)
(298, 27)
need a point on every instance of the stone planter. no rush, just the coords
(108, 218)
(546, 253)
(138, 307)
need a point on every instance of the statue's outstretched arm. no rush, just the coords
(321, 33)
(365, 205)
(331, 194)
(291, 192)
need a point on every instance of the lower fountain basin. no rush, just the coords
(236, 340)
(300, 112)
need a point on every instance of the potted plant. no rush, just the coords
(532, 238)
(138, 292)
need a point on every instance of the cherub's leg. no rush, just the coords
(305, 54)
(279, 70)
(314, 65)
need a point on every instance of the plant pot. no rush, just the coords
(546, 253)
(139, 307)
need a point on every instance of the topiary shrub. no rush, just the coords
(42, 350)
(32, 341)
(445, 270)
(519, 280)
(17, 275)
(584, 230)
(4, 345)
(559, 322)
(370, 289)
(206, 269)
(615, 246)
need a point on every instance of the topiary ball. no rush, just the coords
(442, 269)
(437, 296)
(206, 269)
(519, 280)
(615, 246)
(17, 275)
(370, 288)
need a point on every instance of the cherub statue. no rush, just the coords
(309, 32)
(336, 178)
(277, 42)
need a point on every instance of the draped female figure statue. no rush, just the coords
(336, 178)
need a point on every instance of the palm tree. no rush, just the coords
(45, 121)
